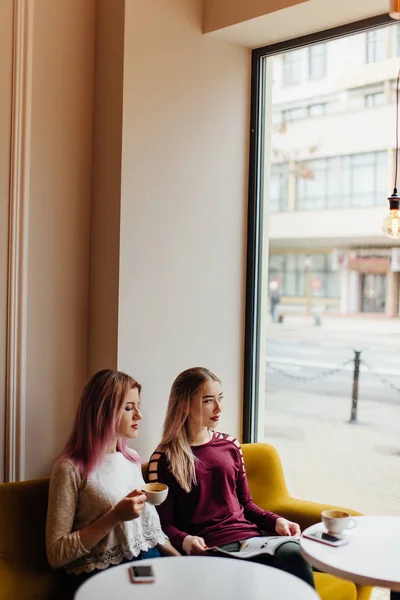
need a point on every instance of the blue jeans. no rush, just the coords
(73, 582)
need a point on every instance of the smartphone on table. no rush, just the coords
(325, 538)
(142, 574)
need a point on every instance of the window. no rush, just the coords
(397, 41)
(290, 270)
(317, 110)
(317, 61)
(292, 67)
(372, 100)
(279, 188)
(329, 266)
(376, 48)
(292, 114)
(342, 181)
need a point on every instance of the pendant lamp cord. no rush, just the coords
(397, 132)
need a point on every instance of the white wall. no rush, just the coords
(349, 226)
(184, 204)
(294, 21)
(366, 130)
(219, 14)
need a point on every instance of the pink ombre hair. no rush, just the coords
(97, 419)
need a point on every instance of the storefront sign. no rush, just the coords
(370, 264)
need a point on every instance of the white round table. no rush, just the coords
(372, 556)
(197, 578)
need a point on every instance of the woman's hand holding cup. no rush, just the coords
(131, 506)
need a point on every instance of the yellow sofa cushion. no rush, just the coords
(333, 588)
(24, 571)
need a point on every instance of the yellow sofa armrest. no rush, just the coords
(304, 512)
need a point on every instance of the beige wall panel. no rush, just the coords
(6, 41)
(184, 206)
(105, 218)
(219, 14)
(59, 223)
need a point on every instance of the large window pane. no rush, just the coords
(338, 288)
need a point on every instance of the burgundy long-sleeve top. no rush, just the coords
(219, 508)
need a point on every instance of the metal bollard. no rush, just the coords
(356, 377)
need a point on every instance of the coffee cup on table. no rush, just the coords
(156, 493)
(336, 521)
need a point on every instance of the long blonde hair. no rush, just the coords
(175, 442)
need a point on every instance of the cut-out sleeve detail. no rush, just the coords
(152, 468)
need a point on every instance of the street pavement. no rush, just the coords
(325, 457)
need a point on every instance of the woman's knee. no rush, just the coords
(288, 558)
(289, 553)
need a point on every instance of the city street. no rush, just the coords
(325, 457)
(287, 360)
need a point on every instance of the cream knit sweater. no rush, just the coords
(75, 502)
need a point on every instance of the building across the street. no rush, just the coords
(332, 169)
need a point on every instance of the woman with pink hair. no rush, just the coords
(97, 514)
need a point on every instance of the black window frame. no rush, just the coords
(255, 231)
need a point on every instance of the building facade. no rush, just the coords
(331, 169)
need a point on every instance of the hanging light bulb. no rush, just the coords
(394, 10)
(391, 224)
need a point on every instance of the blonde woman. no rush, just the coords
(209, 502)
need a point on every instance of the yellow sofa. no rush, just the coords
(26, 575)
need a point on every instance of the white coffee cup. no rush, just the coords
(336, 521)
(156, 493)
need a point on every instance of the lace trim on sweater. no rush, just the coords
(115, 555)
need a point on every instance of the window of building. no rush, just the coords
(292, 67)
(292, 114)
(290, 270)
(279, 188)
(376, 45)
(317, 56)
(373, 100)
(317, 110)
(342, 181)
(396, 46)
